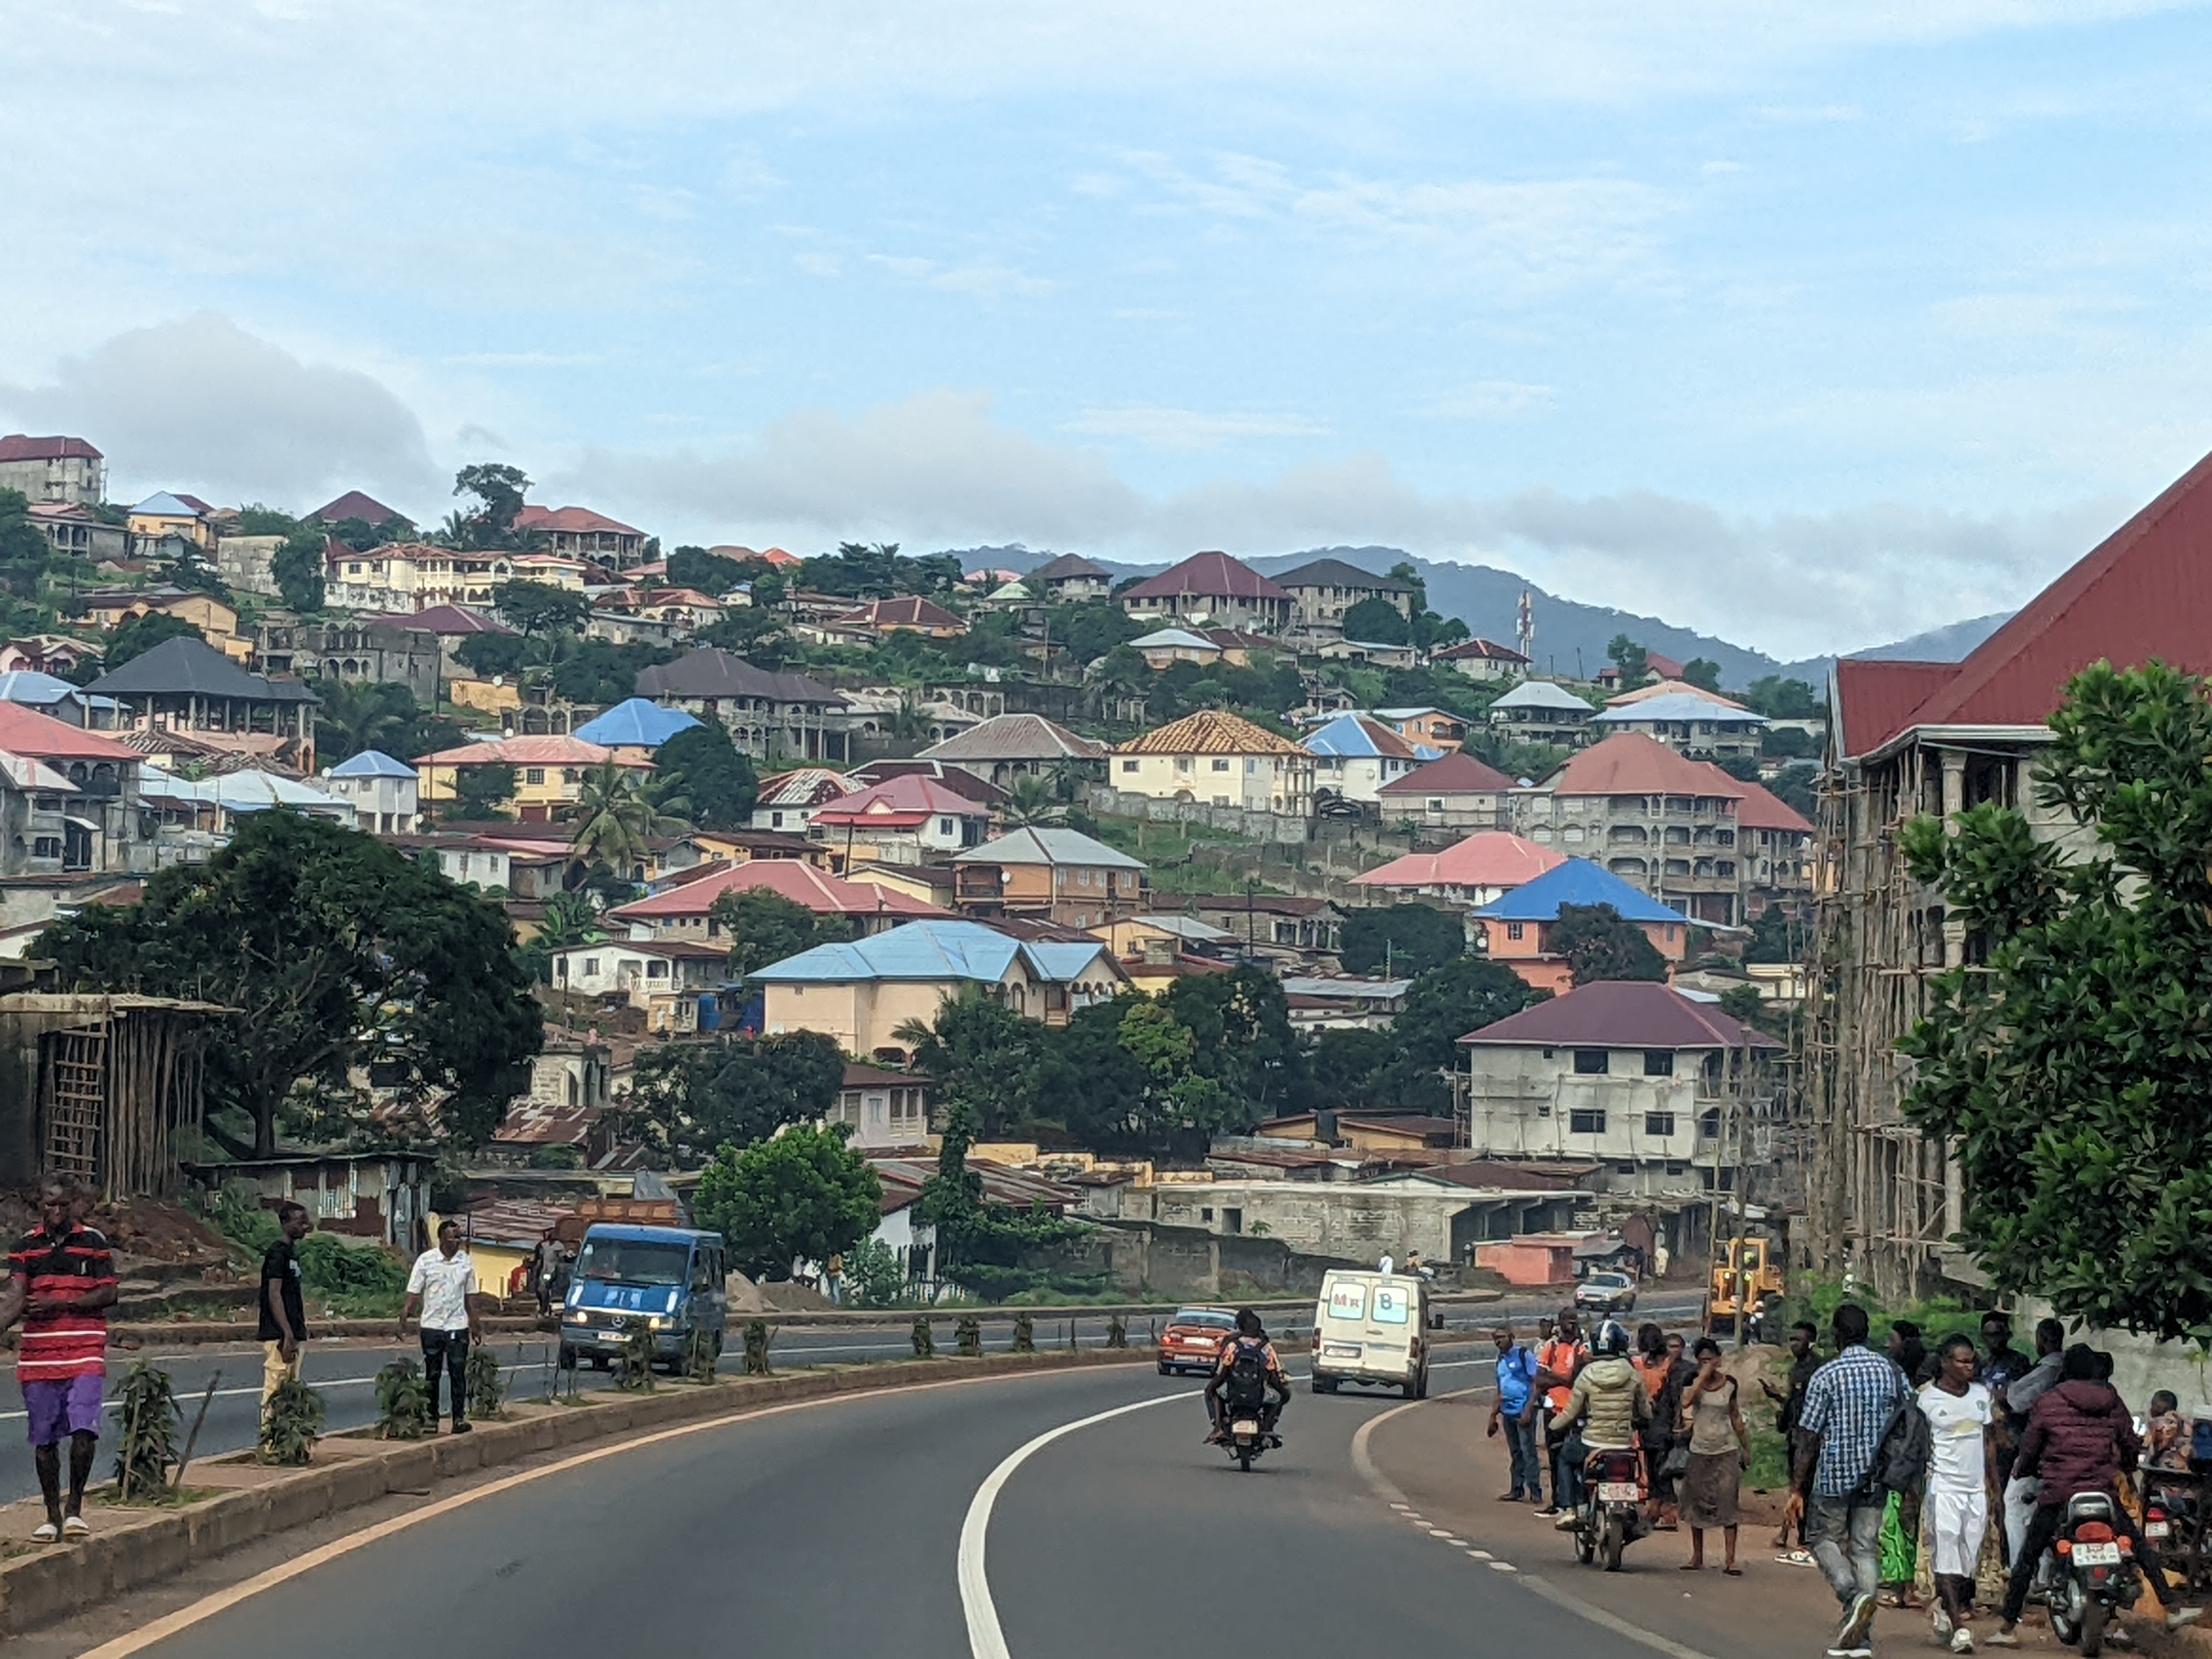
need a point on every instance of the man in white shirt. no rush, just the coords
(442, 1288)
(1962, 1474)
(1387, 1263)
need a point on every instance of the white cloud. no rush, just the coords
(1491, 400)
(200, 404)
(981, 280)
(1187, 431)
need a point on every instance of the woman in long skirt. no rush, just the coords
(1720, 1451)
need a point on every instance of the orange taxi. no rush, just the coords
(1193, 1340)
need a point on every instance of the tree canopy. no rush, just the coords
(338, 953)
(1629, 659)
(1411, 938)
(980, 1052)
(382, 714)
(1402, 1069)
(700, 766)
(481, 792)
(802, 1196)
(298, 568)
(1703, 673)
(688, 1097)
(1598, 943)
(142, 634)
(763, 928)
(25, 552)
(498, 490)
(2068, 1061)
(1377, 622)
(540, 607)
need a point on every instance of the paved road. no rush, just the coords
(345, 1372)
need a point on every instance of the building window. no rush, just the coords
(944, 826)
(591, 968)
(656, 969)
(1658, 1062)
(1592, 1062)
(1659, 1124)
(1514, 930)
(1128, 765)
(1221, 766)
(533, 775)
(1182, 762)
(1588, 1121)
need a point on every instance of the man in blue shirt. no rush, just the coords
(1838, 1508)
(1517, 1377)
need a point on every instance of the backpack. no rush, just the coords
(1247, 1371)
(1907, 1446)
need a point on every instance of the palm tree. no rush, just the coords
(1031, 800)
(614, 819)
(570, 918)
(357, 715)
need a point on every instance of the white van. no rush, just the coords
(1371, 1328)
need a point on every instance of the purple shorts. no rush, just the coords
(58, 1410)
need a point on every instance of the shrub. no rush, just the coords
(633, 1360)
(357, 1281)
(968, 1336)
(756, 1341)
(876, 1273)
(924, 1340)
(486, 1391)
(146, 1449)
(1024, 1335)
(699, 1357)
(291, 1424)
(402, 1402)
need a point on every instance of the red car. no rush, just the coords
(1193, 1340)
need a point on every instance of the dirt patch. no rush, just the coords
(152, 1229)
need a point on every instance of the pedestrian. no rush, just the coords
(1720, 1451)
(1386, 1264)
(2078, 1440)
(546, 1268)
(443, 1287)
(1789, 1407)
(1848, 1407)
(1557, 1362)
(2165, 1444)
(1962, 1484)
(1900, 1515)
(1665, 1373)
(1516, 1382)
(2018, 1398)
(61, 1282)
(282, 1327)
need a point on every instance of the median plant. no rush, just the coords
(756, 1341)
(968, 1337)
(147, 1407)
(924, 1340)
(290, 1425)
(1024, 1335)
(633, 1360)
(403, 1410)
(487, 1391)
(1117, 1332)
(699, 1353)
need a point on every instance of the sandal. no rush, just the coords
(47, 1533)
(77, 1527)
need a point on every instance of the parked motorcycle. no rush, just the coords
(2089, 1572)
(1612, 1515)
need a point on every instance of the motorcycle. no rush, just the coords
(1250, 1430)
(1611, 1515)
(2089, 1573)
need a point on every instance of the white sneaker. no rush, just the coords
(1962, 1640)
(1942, 1620)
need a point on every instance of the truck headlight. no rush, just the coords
(659, 1323)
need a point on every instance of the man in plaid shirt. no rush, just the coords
(1848, 1407)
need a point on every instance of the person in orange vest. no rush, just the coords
(1563, 1354)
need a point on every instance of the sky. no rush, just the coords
(1810, 326)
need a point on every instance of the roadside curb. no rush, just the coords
(134, 1549)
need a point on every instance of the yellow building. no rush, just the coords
(549, 772)
(110, 610)
(164, 514)
(1218, 759)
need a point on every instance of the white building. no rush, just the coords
(1356, 757)
(383, 791)
(1217, 759)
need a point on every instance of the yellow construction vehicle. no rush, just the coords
(1748, 1277)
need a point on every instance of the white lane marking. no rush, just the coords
(1362, 1462)
(985, 1639)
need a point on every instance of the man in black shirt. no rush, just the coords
(283, 1325)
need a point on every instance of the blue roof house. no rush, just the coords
(384, 792)
(1356, 754)
(638, 723)
(1517, 927)
(862, 991)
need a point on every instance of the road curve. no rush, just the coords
(834, 1530)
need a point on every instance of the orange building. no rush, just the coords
(1055, 875)
(1517, 927)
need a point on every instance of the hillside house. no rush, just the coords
(1537, 711)
(773, 717)
(1517, 927)
(68, 472)
(1322, 590)
(77, 532)
(384, 792)
(1694, 723)
(684, 910)
(1356, 756)
(1164, 647)
(1055, 875)
(1220, 759)
(1071, 579)
(1457, 792)
(168, 515)
(1276, 926)
(1009, 746)
(1211, 588)
(906, 819)
(1484, 866)
(883, 1108)
(1482, 660)
(578, 533)
(186, 685)
(663, 979)
(549, 772)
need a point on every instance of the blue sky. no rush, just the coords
(1810, 326)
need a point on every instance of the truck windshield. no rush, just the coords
(633, 1262)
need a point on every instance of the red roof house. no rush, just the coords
(1476, 870)
(1215, 588)
(682, 911)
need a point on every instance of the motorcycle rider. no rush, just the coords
(1250, 1343)
(1609, 1403)
(2079, 1439)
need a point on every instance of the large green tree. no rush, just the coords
(690, 1097)
(2070, 1060)
(979, 1051)
(336, 951)
(142, 634)
(298, 568)
(1403, 1069)
(802, 1196)
(498, 490)
(25, 552)
(763, 928)
(540, 607)
(1406, 939)
(1599, 943)
(703, 768)
(1241, 1021)
(1631, 659)
(1377, 622)
(616, 821)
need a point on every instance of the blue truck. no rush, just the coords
(672, 1278)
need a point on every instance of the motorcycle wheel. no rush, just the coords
(2092, 1629)
(1613, 1540)
(1585, 1545)
(2062, 1627)
(1244, 1463)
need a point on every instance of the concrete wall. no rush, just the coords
(1167, 1261)
(1260, 825)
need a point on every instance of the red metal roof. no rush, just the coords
(1634, 764)
(1477, 650)
(1621, 1014)
(903, 801)
(802, 883)
(1457, 773)
(1490, 858)
(16, 446)
(572, 519)
(1209, 575)
(1760, 808)
(1875, 700)
(910, 611)
(40, 737)
(444, 619)
(353, 504)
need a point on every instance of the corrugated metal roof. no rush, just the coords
(1634, 763)
(1355, 737)
(372, 764)
(708, 672)
(636, 723)
(1456, 773)
(1209, 575)
(1671, 689)
(791, 878)
(163, 504)
(1541, 694)
(1335, 573)
(355, 505)
(1579, 882)
(1172, 638)
(1876, 699)
(1016, 738)
(1490, 859)
(17, 446)
(1621, 1014)
(1049, 847)
(955, 951)
(191, 667)
(1684, 706)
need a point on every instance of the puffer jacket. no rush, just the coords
(1609, 1402)
(2079, 1439)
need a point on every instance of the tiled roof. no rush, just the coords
(1456, 773)
(181, 666)
(896, 799)
(1621, 1014)
(708, 672)
(522, 751)
(1017, 738)
(1490, 858)
(910, 610)
(1631, 763)
(1066, 567)
(1577, 882)
(1679, 705)
(16, 446)
(355, 505)
(1071, 848)
(636, 723)
(1356, 737)
(1210, 732)
(573, 520)
(801, 883)
(1541, 694)
(1477, 651)
(1209, 575)
(1335, 573)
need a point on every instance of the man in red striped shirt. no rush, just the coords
(61, 1282)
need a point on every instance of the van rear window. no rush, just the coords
(1393, 1304)
(1347, 1299)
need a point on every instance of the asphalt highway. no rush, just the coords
(345, 1372)
(852, 1529)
